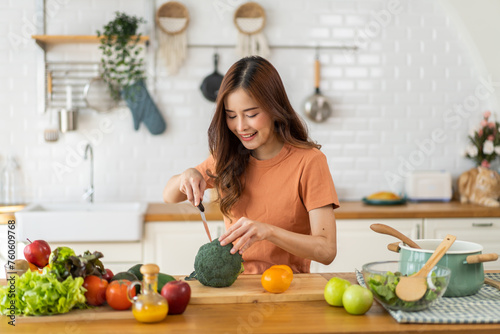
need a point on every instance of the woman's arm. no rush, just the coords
(189, 185)
(320, 246)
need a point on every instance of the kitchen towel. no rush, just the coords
(480, 308)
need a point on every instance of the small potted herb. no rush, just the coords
(123, 70)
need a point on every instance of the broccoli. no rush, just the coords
(215, 266)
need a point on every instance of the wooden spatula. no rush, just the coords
(492, 282)
(412, 288)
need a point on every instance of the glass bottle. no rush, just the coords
(149, 306)
(11, 183)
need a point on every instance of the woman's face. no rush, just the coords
(251, 124)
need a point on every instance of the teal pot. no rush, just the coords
(465, 259)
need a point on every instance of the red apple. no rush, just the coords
(37, 252)
(108, 275)
(177, 294)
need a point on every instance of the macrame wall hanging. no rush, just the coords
(172, 18)
(250, 19)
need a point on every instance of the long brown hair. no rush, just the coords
(260, 80)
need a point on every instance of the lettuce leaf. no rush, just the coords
(65, 263)
(42, 294)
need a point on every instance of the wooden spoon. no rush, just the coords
(412, 288)
(492, 282)
(384, 229)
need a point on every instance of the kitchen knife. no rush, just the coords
(202, 213)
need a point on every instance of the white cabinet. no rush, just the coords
(357, 244)
(484, 231)
(173, 245)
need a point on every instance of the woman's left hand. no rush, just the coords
(248, 231)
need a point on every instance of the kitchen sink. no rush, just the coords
(81, 222)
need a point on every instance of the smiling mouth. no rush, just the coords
(248, 137)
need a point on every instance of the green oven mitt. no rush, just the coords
(143, 108)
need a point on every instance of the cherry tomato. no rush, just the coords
(276, 280)
(116, 295)
(96, 290)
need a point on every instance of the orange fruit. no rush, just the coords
(276, 279)
(283, 266)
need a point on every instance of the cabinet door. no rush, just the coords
(484, 231)
(173, 245)
(357, 244)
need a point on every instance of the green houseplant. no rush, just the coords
(122, 67)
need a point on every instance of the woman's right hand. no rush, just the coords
(193, 185)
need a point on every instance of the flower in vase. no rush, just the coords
(484, 146)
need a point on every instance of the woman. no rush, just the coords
(273, 184)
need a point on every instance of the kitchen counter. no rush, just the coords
(159, 212)
(290, 317)
(7, 212)
(348, 210)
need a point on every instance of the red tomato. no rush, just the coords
(96, 290)
(116, 295)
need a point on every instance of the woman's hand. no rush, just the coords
(192, 185)
(248, 231)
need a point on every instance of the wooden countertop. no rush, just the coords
(161, 212)
(291, 317)
(348, 210)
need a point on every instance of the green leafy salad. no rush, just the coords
(37, 293)
(57, 289)
(384, 287)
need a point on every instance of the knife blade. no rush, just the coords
(204, 219)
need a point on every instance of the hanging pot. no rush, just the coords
(211, 84)
(465, 259)
(317, 106)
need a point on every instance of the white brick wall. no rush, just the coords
(388, 96)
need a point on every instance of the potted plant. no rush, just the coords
(122, 67)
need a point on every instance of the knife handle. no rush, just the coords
(201, 207)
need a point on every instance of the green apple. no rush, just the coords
(357, 299)
(334, 290)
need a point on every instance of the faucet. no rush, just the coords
(89, 192)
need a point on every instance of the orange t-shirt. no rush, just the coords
(280, 191)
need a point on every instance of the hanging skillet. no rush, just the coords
(211, 84)
(317, 107)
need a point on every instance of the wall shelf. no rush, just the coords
(44, 40)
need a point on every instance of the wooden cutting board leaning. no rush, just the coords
(246, 289)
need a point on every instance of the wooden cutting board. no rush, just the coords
(246, 289)
(98, 313)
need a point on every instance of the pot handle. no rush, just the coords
(394, 247)
(481, 258)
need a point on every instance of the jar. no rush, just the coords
(11, 183)
(149, 306)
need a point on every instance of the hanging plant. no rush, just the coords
(123, 70)
(121, 61)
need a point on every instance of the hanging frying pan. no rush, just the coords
(317, 107)
(211, 84)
